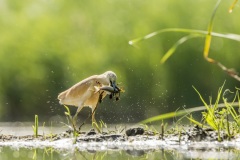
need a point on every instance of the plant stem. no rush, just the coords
(36, 126)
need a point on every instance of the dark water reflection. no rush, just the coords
(51, 154)
(7, 153)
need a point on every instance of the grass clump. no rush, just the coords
(221, 119)
(71, 120)
(224, 118)
(99, 127)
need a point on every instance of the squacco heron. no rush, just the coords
(84, 92)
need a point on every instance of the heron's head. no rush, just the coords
(112, 77)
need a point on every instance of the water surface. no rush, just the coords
(133, 149)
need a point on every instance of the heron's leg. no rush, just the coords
(95, 108)
(93, 114)
(74, 120)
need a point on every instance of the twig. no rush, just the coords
(231, 72)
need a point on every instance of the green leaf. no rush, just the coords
(175, 46)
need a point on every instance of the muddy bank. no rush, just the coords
(132, 138)
(193, 143)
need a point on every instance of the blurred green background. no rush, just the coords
(46, 46)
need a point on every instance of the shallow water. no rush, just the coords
(48, 153)
(133, 149)
(51, 154)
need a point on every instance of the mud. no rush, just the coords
(131, 137)
(191, 143)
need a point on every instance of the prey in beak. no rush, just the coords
(116, 92)
(113, 90)
(115, 87)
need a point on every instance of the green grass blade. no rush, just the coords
(210, 26)
(207, 48)
(196, 122)
(68, 113)
(35, 127)
(238, 95)
(174, 47)
(96, 126)
(164, 116)
(210, 119)
(173, 114)
(232, 6)
(218, 96)
(201, 33)
(209, 35)
(231, 110)
(180, 113)
(200, 96)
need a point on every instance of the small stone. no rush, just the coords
(91, 132)
(134, 131)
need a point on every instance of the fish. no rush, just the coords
(108, 89)
(113, 92)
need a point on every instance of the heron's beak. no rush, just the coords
(115, 87)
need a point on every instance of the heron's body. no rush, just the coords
(84, 92)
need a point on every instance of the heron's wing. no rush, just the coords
(94, 99)
(80, 92)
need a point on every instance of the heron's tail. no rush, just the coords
(61, 97)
